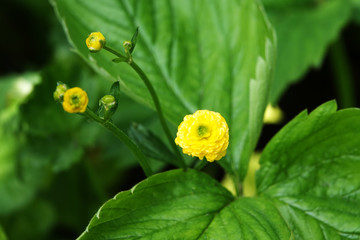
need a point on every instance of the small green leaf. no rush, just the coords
(115, 91)
(311, 167)
(151, 145)
(134, 40)
(185, 205)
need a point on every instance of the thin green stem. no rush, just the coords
(124, 138)
(114, 52)
(342, 75)
(156, 101)
(159, 111)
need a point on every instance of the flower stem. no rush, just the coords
(156, 101)
(124, 138)
(142, 75)
(114, 52)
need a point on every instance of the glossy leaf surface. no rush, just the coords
(311, 169)
(184, 205)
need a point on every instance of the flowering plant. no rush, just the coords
(219, 117)
(161, 127)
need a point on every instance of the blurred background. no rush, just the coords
(56, 169)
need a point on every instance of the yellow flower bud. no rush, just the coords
(95, 41)
(75, 100)
(203, 134)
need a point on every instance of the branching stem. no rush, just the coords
(124, 138)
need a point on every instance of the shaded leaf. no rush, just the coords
(304, 30)
(151, 145)
(134, 40)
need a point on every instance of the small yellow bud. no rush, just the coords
(60, 91)
(203, 134)
(75, 100)
(95, 41)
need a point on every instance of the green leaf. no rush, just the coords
(151, 145)
(115, 91)
(185, 205)
(304, 31)
(134, 40)
(197, 54)
(311, 170)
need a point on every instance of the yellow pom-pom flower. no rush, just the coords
(75, 100)
(203, 134)
(95, 41)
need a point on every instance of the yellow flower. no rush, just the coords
(95, 41)
(75, 100)
(203, 134)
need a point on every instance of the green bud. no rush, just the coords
(60, 91)
(127, 46)
(107, 106)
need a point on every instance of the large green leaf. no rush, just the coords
(185, 205)
(311, 170)
(197, 54)
(304, 29)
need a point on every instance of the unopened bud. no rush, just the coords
(127, 46)
(95, 41)
(60, 91)
(107, 106)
